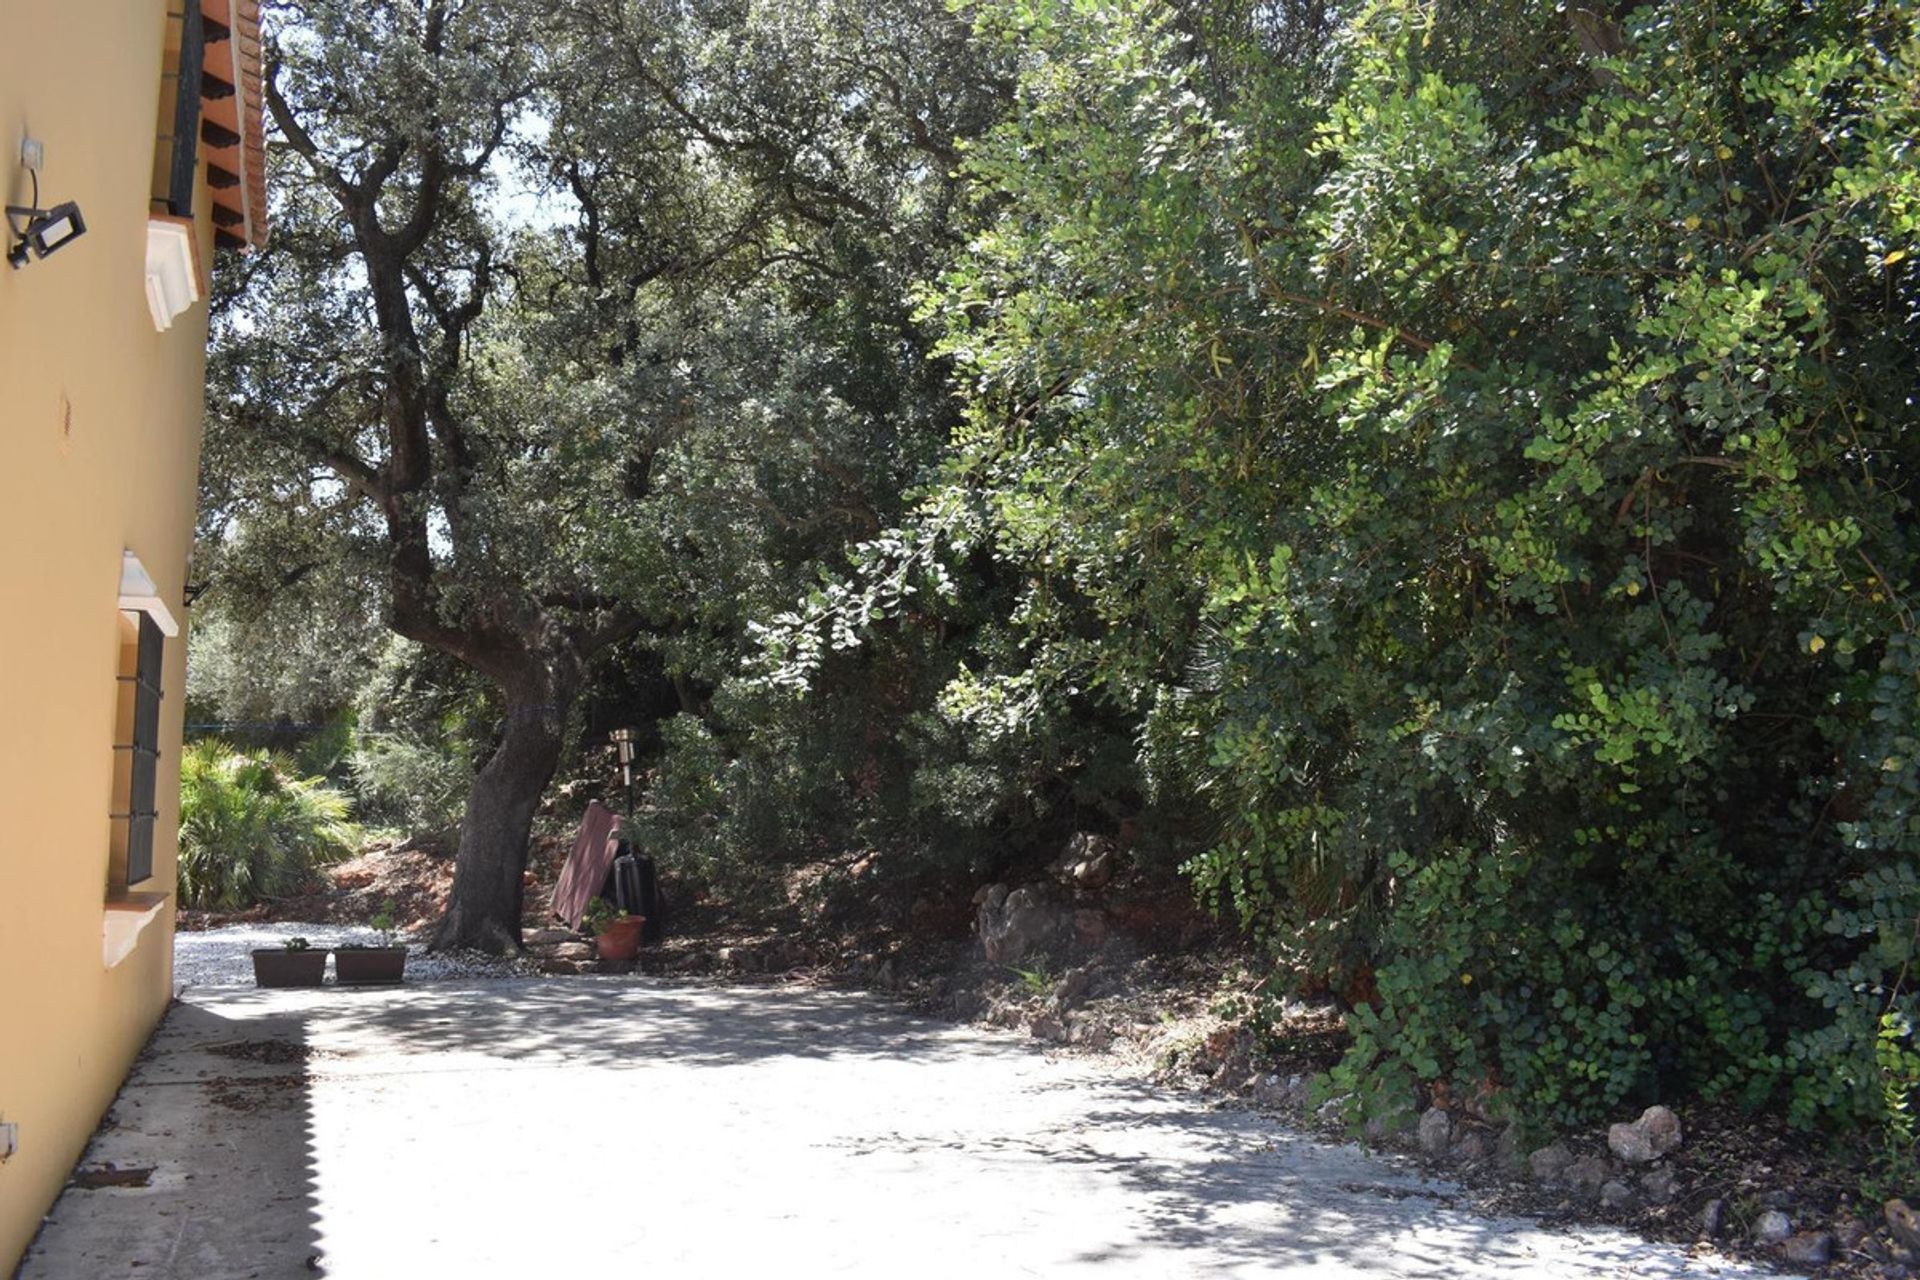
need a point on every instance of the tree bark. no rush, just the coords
(483, 912)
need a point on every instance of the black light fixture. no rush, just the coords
(623, 748)
(43, 230)
(46, 230)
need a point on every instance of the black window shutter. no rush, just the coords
(186, 113)
(141, 809)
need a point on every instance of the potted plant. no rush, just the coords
(295, 963)
(615, 936)
(358, 963)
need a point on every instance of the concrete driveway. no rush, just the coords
(620, 1126)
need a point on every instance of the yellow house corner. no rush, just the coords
(130, 151)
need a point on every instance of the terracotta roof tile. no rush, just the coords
(242, 114)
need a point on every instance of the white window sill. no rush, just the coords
(125, 918)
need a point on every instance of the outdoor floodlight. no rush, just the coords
(45, 231)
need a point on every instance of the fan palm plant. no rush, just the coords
(252, 828)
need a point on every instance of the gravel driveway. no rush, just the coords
(221, 957)
(616, 1125)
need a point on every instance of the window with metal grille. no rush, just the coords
(140, 720)
(177, 148)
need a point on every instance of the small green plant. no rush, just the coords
(1037, 980)
(599, 914)
(1895, 1168)
(382, 922)
(297, 944)
(385, 923)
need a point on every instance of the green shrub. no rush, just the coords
(421, 720)
(250, 828)
(1479, 450)
(402, 781)
(686, 805)
(925, 800)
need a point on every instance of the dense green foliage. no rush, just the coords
(583, 337)
(1474, 444)
(1440, 472)
(251, 828)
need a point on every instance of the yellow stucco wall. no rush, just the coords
(99, 444)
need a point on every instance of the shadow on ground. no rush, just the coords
(723, 1131)
(615, 1021)
(219, 1110)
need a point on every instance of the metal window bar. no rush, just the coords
(143, 769)
(186, 112)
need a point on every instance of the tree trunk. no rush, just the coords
(483, 913)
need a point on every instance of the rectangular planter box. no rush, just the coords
(365, 965)
(278, 967)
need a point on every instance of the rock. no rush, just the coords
(1021, 922)
(1007, 1013)
(1615, 1194)
(1470, 1147)
(1588, 1174)
(548, 937)
(1089, 1032)
(1071, 989)
(1904, 1223)
(1713, 1219)
(1808, 1249)
(1233, 1077)
(1436, 1132)
(1230, 1050)
(992, 896)
(1507, 1151)
(1086, 863)
(1047, 1026)
(571, 951)
(1659, 1186)
(1385, 1124)
(1653, 1135)
(1772, 1227)
(1400, 1118)
(1285, 1093)
(1090, 929)
(1550, 1164)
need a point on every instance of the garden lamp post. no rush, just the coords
(623, 740)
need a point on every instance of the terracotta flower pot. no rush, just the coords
(620, 940)
(356, 965)
(279, 967)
